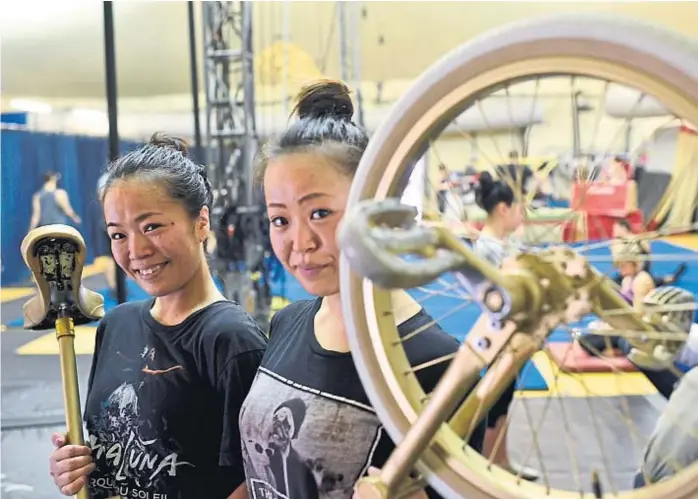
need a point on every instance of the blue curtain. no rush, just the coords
(14, 118)
(26, 156)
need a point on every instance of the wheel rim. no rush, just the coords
(377, 357)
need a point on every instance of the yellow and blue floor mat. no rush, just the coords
(534, 377)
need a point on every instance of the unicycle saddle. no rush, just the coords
(56, 254)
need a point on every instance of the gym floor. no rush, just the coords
(585, 425)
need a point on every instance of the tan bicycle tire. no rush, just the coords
(655, 61)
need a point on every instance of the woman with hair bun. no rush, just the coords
(169, 374)
(505, 215)
(307, 426)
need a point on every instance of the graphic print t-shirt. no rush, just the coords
(163, 402)
(308, 430)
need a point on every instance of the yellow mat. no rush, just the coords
(689, 241)
(587, 384)
(48, 344)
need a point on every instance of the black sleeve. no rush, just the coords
(233, 385)
(429, 378)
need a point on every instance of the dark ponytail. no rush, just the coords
(491, 192)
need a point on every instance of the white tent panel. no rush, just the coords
(501, 113)
(624, 102)
(494, 114)
(661, 150)
(413, 194)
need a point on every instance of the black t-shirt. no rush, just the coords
(308, 430)
(163, 402)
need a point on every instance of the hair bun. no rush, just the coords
(325, 98)
(160, 139)
(484, 189)
(487, 183)
(201, 170)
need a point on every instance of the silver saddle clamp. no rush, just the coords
(55, 255)
(376, 236)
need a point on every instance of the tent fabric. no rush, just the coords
(26, 156)
(651, 187)
(676, 208)
(686, 168)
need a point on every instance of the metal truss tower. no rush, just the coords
(231, 142)
(231, 131)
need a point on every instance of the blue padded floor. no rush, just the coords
(459, 323)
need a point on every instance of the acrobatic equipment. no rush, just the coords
(525, 299)
(55, 255)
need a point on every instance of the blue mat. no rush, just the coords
(458, 324)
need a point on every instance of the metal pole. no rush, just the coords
(628, 138)
(250, 143)
(112, 112)
(208, 159)
(342, 22)
(194, 82)
(576, 142)
(523, 140)
(356, 63)
(286, 39)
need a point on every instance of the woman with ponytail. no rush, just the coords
(505, 216)
(307, 426)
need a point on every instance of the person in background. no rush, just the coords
(673, 445)
(505, 216)
(444, 188)
(617, 172)
(51, 205)
(622, 230)
(307, 426)
(636, 282)
(637, 288)
(517, 174)
(170, 373)
(664, 380)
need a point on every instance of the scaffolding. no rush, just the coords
(231, 141)
(231, 131)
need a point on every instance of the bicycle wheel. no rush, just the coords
(657, 63)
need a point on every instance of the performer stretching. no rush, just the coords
(623, 232)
